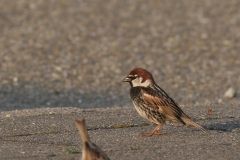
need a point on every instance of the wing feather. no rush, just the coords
(162, 102)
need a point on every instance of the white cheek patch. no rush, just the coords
(138, 82)
(147, 83)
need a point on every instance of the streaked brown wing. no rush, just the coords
(163, 103)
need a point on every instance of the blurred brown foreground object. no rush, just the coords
(210, 111)
(90, 151)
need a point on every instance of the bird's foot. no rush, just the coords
(150, 134)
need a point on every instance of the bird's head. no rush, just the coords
(139, 78)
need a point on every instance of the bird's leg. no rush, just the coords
(153, 133)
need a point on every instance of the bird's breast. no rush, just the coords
(143, 108)
(138, 102)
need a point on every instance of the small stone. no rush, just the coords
(55, 76)
(15, 79)
(58, 68)
(53, 125)
(230, 93)
(8, 115)
(219, 101)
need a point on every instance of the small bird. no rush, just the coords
(153, 103)
(90, 151)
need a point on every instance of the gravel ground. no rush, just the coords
(50, 133)
(57, 53)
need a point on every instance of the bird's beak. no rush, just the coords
(126, 79)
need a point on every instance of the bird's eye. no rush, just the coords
(132, 76)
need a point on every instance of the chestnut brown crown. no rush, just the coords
(139, 77)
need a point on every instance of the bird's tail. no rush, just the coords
(82, 129)
(189, 121)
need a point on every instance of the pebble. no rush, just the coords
(230, 93)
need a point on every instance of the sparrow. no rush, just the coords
(153, 103)
(90, 151)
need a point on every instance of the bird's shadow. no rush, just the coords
(224, 126)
